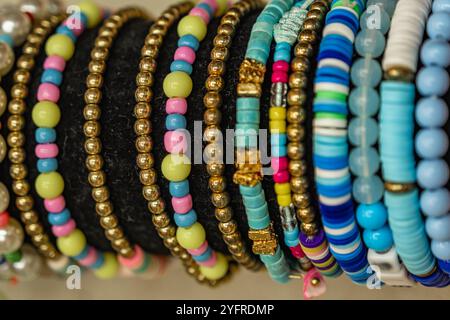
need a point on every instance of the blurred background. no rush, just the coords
(176, 284)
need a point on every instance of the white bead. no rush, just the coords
(14, 23)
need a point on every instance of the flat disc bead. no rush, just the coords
(364, 101)
(176, 167)
(192, 25)
(46, 114)
(370, 43)
(192, 237)
(60, 45)
(73, 244)
(110, 267)
(366, 72)
(177, 85)
(432, 112)
(218, 271)
(49, 185)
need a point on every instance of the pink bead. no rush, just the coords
(65, 229)
(185, 54)
(4, 219)
(279, 164)
(55, 62)
(182, 205)
(75, 25)
(278, 76)
(297, 252)
(281, 177)
(211, 262)
(282, 66)
(46, 151)
(48, 92)
(200, 250)
(175, 142)
(212, 3)
(176, 105)
(55, 205)
(202, 13)
(90, 259)
(136, 261)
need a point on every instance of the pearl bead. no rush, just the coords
(433, 81)
(436, 52)
(6, 58)
(14, 23)
(431, 143)
(432, 174)
(438, 228)
(432, 112)
(4, 197)
(34, 7)
(30, 266)
(11, 237)
(435, 203)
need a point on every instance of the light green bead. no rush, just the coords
(219, 270)
(49, 185)
(176, 167)
(192, 237)
(73, 244)
(222, 7)
(192, 25)
(177, 84)
(46, 114)
(60, 45)
(110, 267)
(92, 12)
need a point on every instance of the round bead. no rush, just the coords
(372, 216)
(436, 52)
(49, 185)
(46, 114)
(110, 267)
(363, 131)
(370, 42)
(222, 6)
(433, 81)
(179, 189)
(176, 167)
(379, 240)
(45, 151)
(192, 237)
(441, 6)
(431, 143)
(435, 203)
(182, 205)
(185, 220)
(441, 249)
(176, 105)
(45, 135)
(368, 189)
(175, 142)
(438, 25)
(375, 21)
(366, 72)
(92, 12)
(55, 62)
(6, 58)
(364, 161)
(14, 23)
(29, 266)
(192, 25)
(218, 271)
(432, 174)
(202, 13)
(72, 244)
(55, 205)
(177, 85)
(364, 101)
(431, 112)
(438, 228)
(185, 54)
(48, 92)
(4, 197)
(11, 236)
(60, 45)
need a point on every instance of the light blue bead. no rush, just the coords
(438, 228)
(189, 41)
(368, 189)
(206, 7)
(250, 191)
(432, 112)
(432, 174)
(438, 25)
(379, 240)
(278, 139)
(431, 143)
(47, 165)
(8, 39)
(435, 203)
(99, 262)
(370, 42)
(179, 189)
(441, 250)
(366, 72)
(372, 216)
(279, 151)
(282, 55)
(247, 104)
(433, 81)
(363, 131)
(254, 202)
(62, 29)
(175, 121)
(247, 116)
(441, 6)
(180, 65)
(364, 161)
(60, 218)
(259, 224)
(387, 5)
(373, 20)
(436, 52)
(45, 135)
(364, 102)
(291, 235)
(204, 256)
(185, 220)
(52, 76)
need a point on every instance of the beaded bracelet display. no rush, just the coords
(285, 35)
(249, 170)
(368, 188)
(330, 146)
(396, 142)
(432, 141)
(176, 166)
(212, 115)
(312, 240)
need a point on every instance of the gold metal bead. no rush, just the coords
(147, 177)
(235, 248)
(299, 184)
(142, 110)
(26, 62)
(104, 209)
(222, 40)
(303, 201)
(39, 239)
(226, 29)
(29, 217)
(400, 73)
(16, 123)
(91, 129)
(220, 53)
(92, 112)
(171, 242)
(21, 187)
(216, 68)
(220, 200)
(309, 229)
(316, 14)
(295, 133)
(309, 36)
(312, 24)
(228, 227)
(300, 64)
(212, 117)
(161, 220)
(97, 178)
(97, 66)
(296, 114)
(298, 80)
(319, 5)
(158, 29)
(168, 231)
(35, 38)
(19, 91)
(93, 146)
(34, 229)
(144, 79)
(150, 51)
(143, 94)
(295, 151)
(17, 155)
(144, 144)
(16, 106)
(148, 64)
(230, 19)
(399, 187)
(142, 127)
(18, 171)
(103, 41)
(145, 161)
(151, 193)
(15, 139)
(212, 100)
(99, 54)
(94, 162)
(223, 214)
(215, 169)
(232, 239)
(214, 83)
(24, 203)
(3, 101)
(304, 49)
(154, 40)
(157, 206)
(100, 194)
(22, 76)
(306, 215)
(217, 184)
(296, 97)
(114, 234)
(94, 80)
(92, 96)
(109, 222)
(212, 134)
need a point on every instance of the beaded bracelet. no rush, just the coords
(432, 141)
(176, 166)
(285, 34)
(396, 142)
(212, 115)
(330, 146)
(249, 170)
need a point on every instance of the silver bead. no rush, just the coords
(278, 94)
(14, 23)
(53, 7)
(6, 58)
(4, 197)
(11, 237)
(30, 266)
(2, 148)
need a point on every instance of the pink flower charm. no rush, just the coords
(313, 285)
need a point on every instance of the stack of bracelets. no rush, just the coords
(333, 171)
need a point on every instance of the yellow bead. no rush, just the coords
(72, 244)
(284, 200)
(192, 237)
(49, 185)
(277, 126)
(92, 12)
(282, 188)
(176, 167)
(110, 267)
(219, 270)
(177, 85)
(222, 7)
(46, 114)
(60, 45)
(192, 25)
(277, 113)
